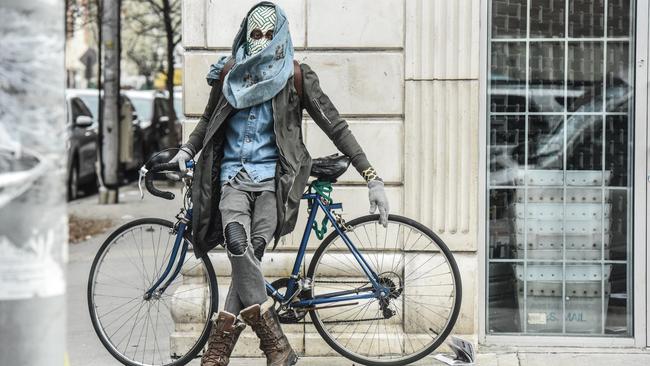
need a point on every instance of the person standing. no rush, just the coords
(253, 169)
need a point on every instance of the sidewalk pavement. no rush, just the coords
(84, 348)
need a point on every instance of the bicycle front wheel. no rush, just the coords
(144, 330)
(413, 319)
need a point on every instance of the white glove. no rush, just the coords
(378, 199)
(183, 155)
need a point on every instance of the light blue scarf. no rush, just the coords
(258, 78)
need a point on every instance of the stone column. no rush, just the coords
(441, 131)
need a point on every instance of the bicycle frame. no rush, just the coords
(316, 204)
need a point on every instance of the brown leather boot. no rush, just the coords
(275, 345)
(223, 336)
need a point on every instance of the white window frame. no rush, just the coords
(641, 257)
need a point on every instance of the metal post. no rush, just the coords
(110, 143)
(33, 217)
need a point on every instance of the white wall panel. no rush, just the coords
(358, 83)
(225, 16)
(368, 83)
(195, 88)
(380, 139)
(355, 23)
(193, 27)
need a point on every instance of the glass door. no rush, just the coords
(560, 167)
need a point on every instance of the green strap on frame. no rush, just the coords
(324, 189)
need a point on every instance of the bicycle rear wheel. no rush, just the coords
(424, 300)
(140, 330)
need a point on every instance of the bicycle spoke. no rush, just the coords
(140, 330)
(133, 327)
(410, 263)
(145, 277)
(347, 258)
(155, 331)
(357, 325)
(132, 309)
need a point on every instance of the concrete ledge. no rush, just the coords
(498, 359)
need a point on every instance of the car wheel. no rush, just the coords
(73, 181)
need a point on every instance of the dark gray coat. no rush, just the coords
(294, 163)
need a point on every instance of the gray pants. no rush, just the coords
(256, 212)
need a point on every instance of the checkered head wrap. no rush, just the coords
(259, 31)
(263, 63)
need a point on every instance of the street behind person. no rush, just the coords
(253, 169)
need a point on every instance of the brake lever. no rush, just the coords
(142, 173)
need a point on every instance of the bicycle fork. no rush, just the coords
(179, 244)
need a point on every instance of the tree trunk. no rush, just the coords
(110, 132)
(33, 217)
(173, 139)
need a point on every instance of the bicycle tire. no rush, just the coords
(441, 337)
(198, 346)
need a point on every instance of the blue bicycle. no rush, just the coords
(377, 295)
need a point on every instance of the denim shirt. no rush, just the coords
(250, 144)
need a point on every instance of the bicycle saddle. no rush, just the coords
(328, 168)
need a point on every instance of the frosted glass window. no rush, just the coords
(559, 194)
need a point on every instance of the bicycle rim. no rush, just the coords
(139, 331)
(424, 299)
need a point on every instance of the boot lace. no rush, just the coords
(268, 340)
(217, 347)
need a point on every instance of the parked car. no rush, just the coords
(153, 116)
(89, 96)
(81, 145)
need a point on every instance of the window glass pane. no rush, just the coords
(618, 76)
(508, 76)
(620, 225)
(546, 143)
(618, 319)
(560, 132)
(503, 237)
(541, 297)
(547, 18)
(585, 76)
(546, 77)
(586, 18)
(618, 18)
(584, 148)
(504, 310)
(617, 146)
(507, 149)
(585, 284)
(509, 18)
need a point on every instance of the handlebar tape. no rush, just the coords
(148, 179)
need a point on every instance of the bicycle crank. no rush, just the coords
(288, 315)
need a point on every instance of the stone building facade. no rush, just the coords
(417, 82)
